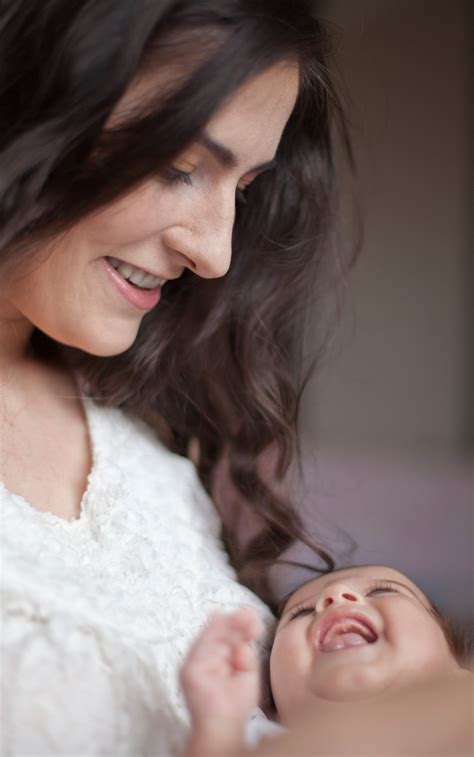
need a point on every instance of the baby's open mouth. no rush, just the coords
(346, 632)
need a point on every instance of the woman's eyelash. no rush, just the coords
(381, 588)
(173, 175)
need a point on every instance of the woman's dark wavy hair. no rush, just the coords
(219, 361)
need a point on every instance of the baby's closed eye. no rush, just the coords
(300, 611)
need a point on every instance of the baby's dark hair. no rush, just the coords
(457, 636)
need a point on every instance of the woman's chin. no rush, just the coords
(107, 351)
(103, 343)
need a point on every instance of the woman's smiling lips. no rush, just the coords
(141, 298)
(343, 628)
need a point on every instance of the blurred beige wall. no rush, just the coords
(397, 377)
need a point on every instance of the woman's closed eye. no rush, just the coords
(174, 175)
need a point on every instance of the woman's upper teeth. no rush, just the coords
(136, 276)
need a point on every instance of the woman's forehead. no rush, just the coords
(358, 576)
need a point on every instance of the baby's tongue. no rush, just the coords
(343, 641)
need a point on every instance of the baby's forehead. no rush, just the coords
(359, 576)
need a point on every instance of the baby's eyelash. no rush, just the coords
(300, 610)
(381, 588)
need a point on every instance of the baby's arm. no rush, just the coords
(221, 682)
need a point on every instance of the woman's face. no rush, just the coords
(78, 290)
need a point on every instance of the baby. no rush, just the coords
(349, 634)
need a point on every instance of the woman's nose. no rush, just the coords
(205, 245)
(337, 594)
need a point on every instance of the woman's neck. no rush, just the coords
(15, 334)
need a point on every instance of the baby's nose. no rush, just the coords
(337, 594)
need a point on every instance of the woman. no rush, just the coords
(128, 132)
(143, 145)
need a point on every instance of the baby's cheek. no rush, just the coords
(287, 662)
(423, 650)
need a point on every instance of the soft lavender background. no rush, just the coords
(414, 515)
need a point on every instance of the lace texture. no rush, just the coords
(99, 612)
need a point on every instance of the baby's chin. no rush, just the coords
(342, 684)
(338, 685)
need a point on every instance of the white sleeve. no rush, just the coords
(58, 694)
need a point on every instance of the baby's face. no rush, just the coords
(351, 634)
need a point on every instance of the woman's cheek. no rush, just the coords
(136, 217)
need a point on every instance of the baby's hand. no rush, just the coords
(220, 677)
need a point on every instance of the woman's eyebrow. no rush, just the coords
(227, 157)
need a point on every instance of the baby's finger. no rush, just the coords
(213, 642)
(244, 658)
(243, 623)
(221, 631)
(247, 623)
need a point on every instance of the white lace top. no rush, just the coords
(99, 612)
